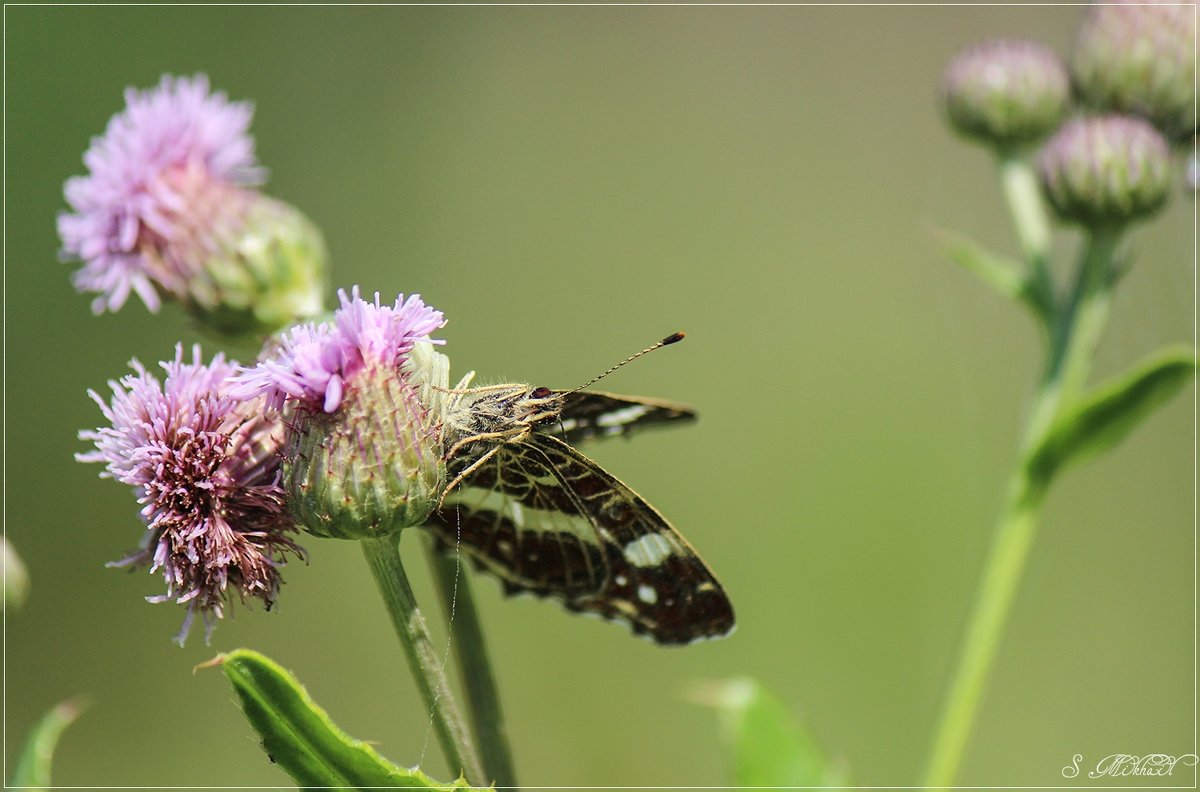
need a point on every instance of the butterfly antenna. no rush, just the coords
(674, 338)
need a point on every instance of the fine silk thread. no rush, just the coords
(449, 629)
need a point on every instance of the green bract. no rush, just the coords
(1006, 92)
(262, 273)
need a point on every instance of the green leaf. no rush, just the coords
(299, 737)
(770, 748)
(33, 766)
(1111, 411)
(1004, 275)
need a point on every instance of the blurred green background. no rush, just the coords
(568, 185)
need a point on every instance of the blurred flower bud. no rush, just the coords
(363, 406)
(1106, 170)
(16, 579)
(1139, 58)
(1006, 93)
(169, 209)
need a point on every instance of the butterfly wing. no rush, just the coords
(548, 521)
(513, 519)
(590, 414)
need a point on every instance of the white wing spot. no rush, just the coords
(623, 416)
(620, 580)
(647, 551)
(647, 595)
(518, 514)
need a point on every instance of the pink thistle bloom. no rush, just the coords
(314, 363)
(206, 469)
(167, 173)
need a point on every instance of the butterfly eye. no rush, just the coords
(539, 393)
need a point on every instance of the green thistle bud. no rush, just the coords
(1140, 59)
(1006, 93)
(1106, 170)
(375, 466)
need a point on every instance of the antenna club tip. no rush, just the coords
(674, 338)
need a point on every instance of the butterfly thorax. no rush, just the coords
(483, 418)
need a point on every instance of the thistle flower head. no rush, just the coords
(1139, 58)
(205, 467)
(139, 172)
(313, 362)
(1106, 170)
(1006, 92)
(361, 397)
(167, 209)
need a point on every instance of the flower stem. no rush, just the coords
(1024, 198)
(1073, 341)
(1028, 210)
(474, 667)
(383, 557)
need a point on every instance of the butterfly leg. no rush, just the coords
(470, 469)
(515, 434)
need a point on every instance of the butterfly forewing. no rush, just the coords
(547, 520)
(591, 414)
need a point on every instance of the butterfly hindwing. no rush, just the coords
(515, 521)
(547, 520)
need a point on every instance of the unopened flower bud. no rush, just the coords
(1139, 58)
(363, 399)
(1006, 93)
(1106, 170)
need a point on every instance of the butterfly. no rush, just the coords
(524, 505)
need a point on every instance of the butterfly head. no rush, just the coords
(538, 406)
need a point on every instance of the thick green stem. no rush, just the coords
(1014, 536)
(1088, 312)
(1025, 204)
(474, 667)
(1075, 335)
(383, 557)
(1028, 210)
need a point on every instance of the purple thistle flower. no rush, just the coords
(165, 169)
(205, 466)
(314, 363)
